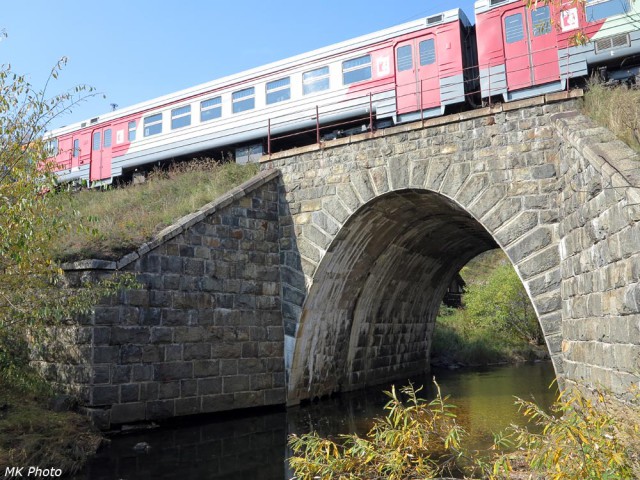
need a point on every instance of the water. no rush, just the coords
(254, 447)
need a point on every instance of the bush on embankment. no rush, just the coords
(616, 108)
(496, 324)
(585, 437)
(119, 220)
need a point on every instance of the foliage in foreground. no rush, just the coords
(32, 294)
(417, 439)
(32, 435)
(583, 437)
(122, 219)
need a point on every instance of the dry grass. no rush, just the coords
(32, 435)
(616, 108)
(108, 223)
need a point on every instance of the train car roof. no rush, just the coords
(482, 6)
(270, 68)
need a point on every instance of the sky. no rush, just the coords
(131, 51)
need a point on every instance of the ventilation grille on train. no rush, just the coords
(616, 41)
(434, 19)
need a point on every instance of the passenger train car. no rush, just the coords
(399, 74)
(408, 72)
(524, 52)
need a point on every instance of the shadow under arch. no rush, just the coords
(369, 314)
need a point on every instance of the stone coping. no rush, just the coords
(178, 227)
(431, 122)
(600, 147)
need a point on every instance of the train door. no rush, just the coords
(75, 151)
(417, 75)
(101, 140)
(530, 42)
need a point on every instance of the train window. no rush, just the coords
(181, 117)
(153, 125)
(107, 138)
(427, 52)
(51, 147)
(243, 100)
(513, 28)
(210, 109)
(404, 58)
(278, 90)
(96, 141)
(599, 9)
(356, 70)
(315, 80)
(76, 148)
(132, 131)
(541, 21)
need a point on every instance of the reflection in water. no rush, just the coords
(255, 447)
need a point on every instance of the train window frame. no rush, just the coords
(316, 80)
(181, 117)
(51, 147)
(427, 54)
(107, 137)
(278, 90)
(600, 9)
(404, 62)
(152, 125)
(541, 20)
(243, 100)
(211, 109)
(75, 153)
(511, 34)
(131, 135)
(354, 71)
(96, 141)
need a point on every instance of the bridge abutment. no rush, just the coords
(325, 273)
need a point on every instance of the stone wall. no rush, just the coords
(600, 250)
(204, 333)
(383, 221)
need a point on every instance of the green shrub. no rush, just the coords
(417, 439)
(585, 436)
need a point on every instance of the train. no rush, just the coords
(416, 70)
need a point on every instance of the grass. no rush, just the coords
(455, 342)
(461, 339)
(616, 108)
(33, 435)
(107, 224)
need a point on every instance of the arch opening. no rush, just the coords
(369, 314)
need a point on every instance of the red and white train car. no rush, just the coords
(524, 52)
(402, 73)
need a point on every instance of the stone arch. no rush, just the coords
(374, 294)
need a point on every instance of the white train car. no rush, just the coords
(402, 73)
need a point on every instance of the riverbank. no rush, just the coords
(459, 343)
(32, 434)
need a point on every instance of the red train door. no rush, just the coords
(417, 79)
(530, 42)
(101, 140)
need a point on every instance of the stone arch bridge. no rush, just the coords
(325, 272)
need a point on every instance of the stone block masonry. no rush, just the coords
(325, 272)
(204, 333)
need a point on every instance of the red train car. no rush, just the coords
(524, 52)
(410, 71)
